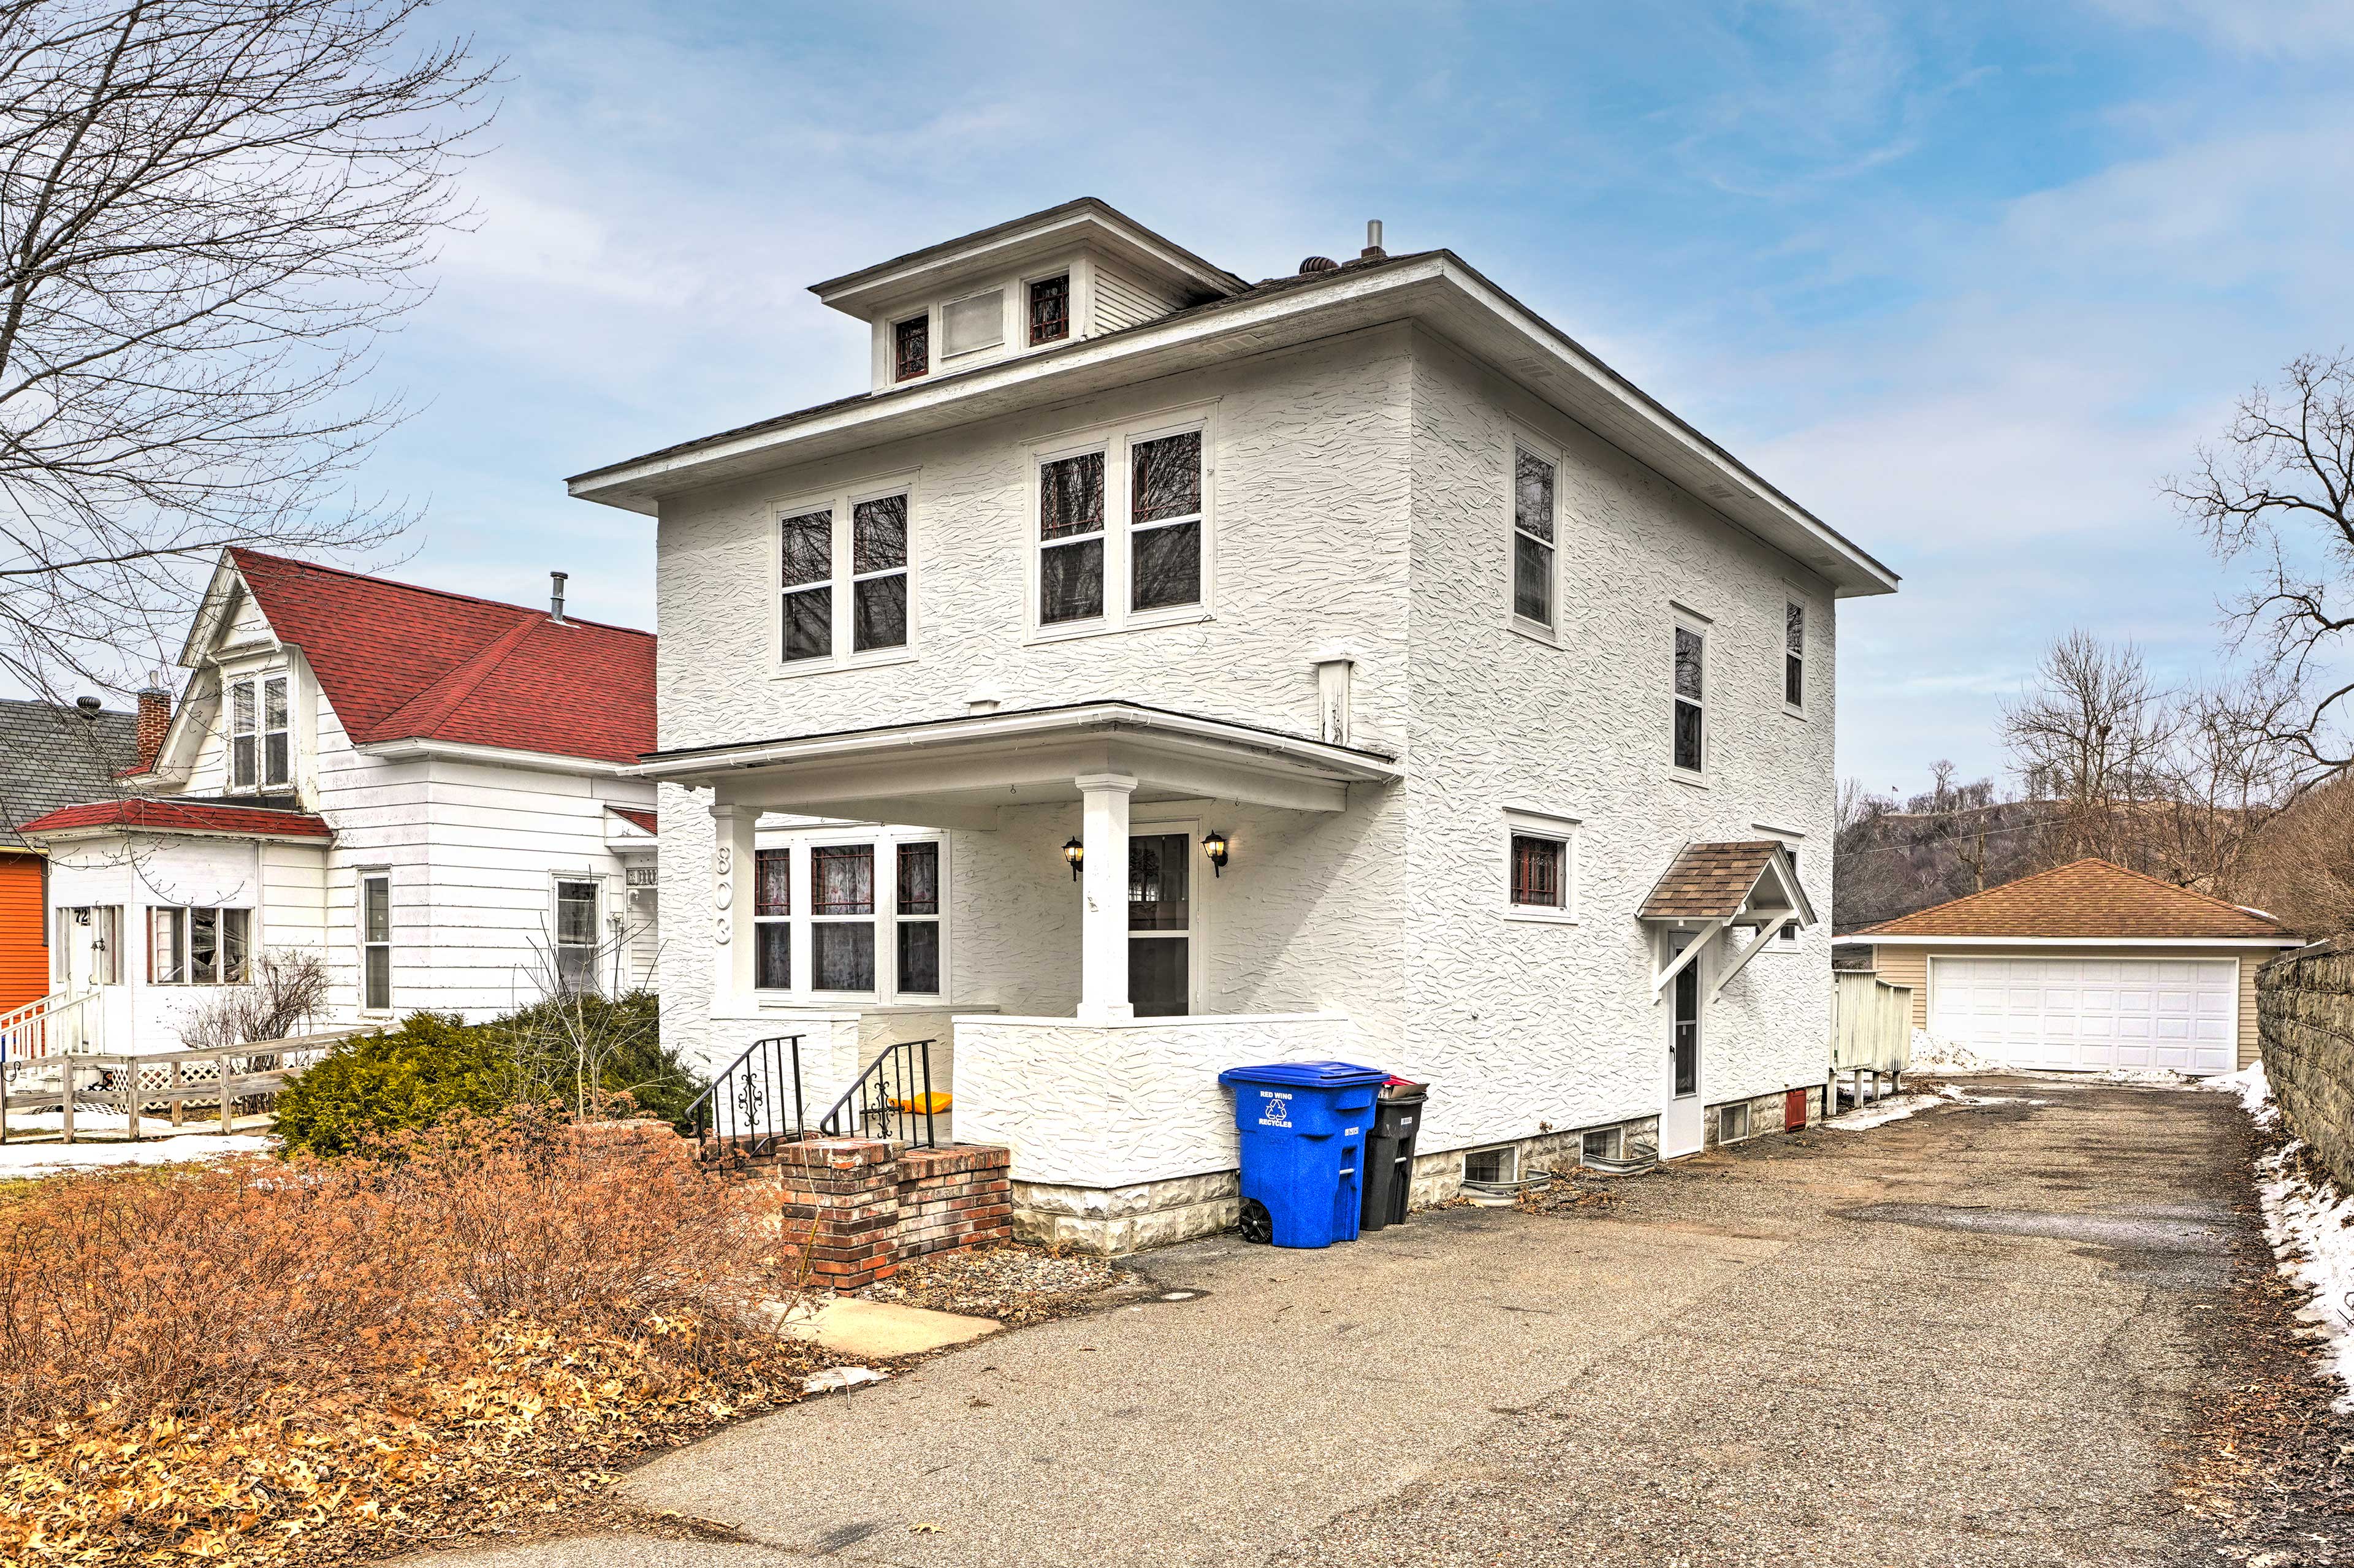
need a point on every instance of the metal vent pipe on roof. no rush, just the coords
(556, 597)
(1373, 251)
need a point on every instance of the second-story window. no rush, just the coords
(911, 347)
(842, 573)
(1071, 538)
(1794, 655)
(259, 748)
(1532, 538)
(1123, 530)
(1692, 648)
(1050, 309)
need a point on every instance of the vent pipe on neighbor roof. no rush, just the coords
(556, 597)
(1372, 250)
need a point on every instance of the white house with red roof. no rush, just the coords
(430, 791)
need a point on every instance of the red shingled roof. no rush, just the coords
(646, 820)
(181, 817)
(2087, 898)
(401, 662)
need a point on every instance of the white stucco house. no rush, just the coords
(1151, 672)
(430, 792)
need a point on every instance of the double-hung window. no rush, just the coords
(843, 580)
(917, 913)
(1533, 511)
(259, 748)
(1122, 530)
(197, 946)
(841, 918)
(375, 942)
(1794, 656)
(576, 934)
(1689, 728)
(772, 919)
(1541, 866)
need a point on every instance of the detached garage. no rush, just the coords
(2087, 968)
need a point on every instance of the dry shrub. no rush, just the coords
(263, 1358)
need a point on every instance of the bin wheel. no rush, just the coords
(1256, 1225)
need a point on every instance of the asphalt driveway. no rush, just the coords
(1965, 1337)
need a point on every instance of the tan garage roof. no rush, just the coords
(1708, 881)
(2087, 898)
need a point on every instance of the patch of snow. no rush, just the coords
(2310, 1224)
(2156, 1077)
(2254, 1090)
(1883, 1112)
(1947, 1058)
(48, 1159)
(837, 1378)
(1961, 1096)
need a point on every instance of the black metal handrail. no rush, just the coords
(746, 1103)
(892, 1099)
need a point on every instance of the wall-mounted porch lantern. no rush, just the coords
(1075, 852)
(1214, 845)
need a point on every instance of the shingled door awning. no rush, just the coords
(1712, 887)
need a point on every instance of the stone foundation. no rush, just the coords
(1113, 1221)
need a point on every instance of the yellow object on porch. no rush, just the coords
(920, 1105)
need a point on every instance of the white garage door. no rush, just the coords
(2091, 1013)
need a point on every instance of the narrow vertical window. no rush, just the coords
(772, 926)
(1690, 647)
(1050, 310)
(1794, 655)
(878, 567)
(911, 348)
(276, 758)
(1790, 932)
(918, 917)
(1532, 541)
(167, 944)
(236, 942)
(841, 918)
(807, 541)
(1537, 879)
(1165, 523)
(204, 947)
(240, 735)
(576, 936)
(375, 943)
(1071, 531)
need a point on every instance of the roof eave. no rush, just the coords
(410, 748)
(1438, 289)
(1884, 939)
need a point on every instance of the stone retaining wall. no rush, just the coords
(2304, 1025)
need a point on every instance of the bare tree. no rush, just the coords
(2280, 489)
(286, 990)
(2091, 741)
(208, 209)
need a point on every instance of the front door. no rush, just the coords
(1680, 1121)
(1160, 923)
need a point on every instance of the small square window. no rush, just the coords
(1731, 1123)
(1491, 1165)
(1602, 1143)
(1050, 310)
(1539, 873)
(911, 348)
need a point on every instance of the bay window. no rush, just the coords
(1122, 529)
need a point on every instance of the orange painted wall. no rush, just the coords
(24, 961)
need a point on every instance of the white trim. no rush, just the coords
(1861, 940)
(840, 504)
(1440, 285)
(1566, 832)
(414, 747)
(1118, 443)
(797, 844)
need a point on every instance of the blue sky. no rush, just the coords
(1967, 281)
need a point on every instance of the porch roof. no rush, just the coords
(140, 815)
(956, 772)
(1721, 882)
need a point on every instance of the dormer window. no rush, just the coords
(259, 750)
(970, 325)
(1050, 309)
(911, 347)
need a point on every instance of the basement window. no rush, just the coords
(1733, 1123)
(1602, 1143)
(1491, 1164)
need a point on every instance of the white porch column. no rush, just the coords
(1103, 882)
(731, 902)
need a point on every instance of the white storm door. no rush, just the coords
(1680, 1131)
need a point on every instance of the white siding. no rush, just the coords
(1126, 300)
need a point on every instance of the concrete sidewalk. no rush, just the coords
(1956, 1339)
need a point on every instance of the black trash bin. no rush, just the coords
(1389, 1153)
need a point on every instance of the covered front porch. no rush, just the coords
(1089, 910)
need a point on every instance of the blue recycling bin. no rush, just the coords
(1303, 1127)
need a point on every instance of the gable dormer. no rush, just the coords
(1073, 271)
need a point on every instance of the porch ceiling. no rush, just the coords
(958, 773)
